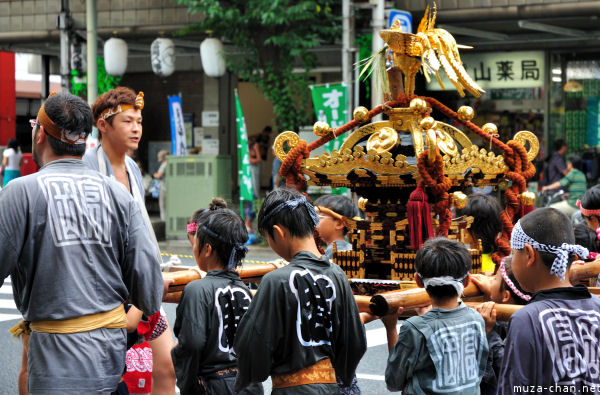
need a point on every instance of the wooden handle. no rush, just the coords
(503, 311)
(363, 303)
(581, 272)
(255, 272)
(172, 297)
(247, 273)
(383, 303)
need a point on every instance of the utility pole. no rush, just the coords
(64, 24)
(45, 76)
(92, 51)
(348, 54)
(378, 23)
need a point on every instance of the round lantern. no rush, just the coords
(162, 55)
(115, 56)
(211, 53)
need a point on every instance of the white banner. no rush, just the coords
(500, 70)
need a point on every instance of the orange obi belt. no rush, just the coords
(320, 373)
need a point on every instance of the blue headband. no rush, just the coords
(294, 204)
(237, 247)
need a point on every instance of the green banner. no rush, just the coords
(244, 179)
(330, 102)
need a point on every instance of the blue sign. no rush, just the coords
(178, 141)
(405, 19)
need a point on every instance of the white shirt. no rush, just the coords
(14, 158)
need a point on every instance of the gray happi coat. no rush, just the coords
(553, 344)
(440, 352)
(74, 243)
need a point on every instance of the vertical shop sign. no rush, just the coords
(178, 135)
(329, 101)
(244, 179)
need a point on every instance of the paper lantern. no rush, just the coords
(211, 54)
(115, 56)
(162, 55)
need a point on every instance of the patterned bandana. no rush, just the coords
(457, 283)
(138, 105)
(237, 248)
(294, 204)
(518, 239)
(67, 136)
(511, 284)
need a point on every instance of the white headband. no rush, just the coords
(457, 283)
(518, 239)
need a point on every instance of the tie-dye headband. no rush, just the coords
(511, 284)
(585, 211)
(518, 240)
(191, 227)
(294, 204)
(138, 105)
(67, 136)
(456, 283)
(237, 248)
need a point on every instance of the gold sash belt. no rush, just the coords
(320, 373)
(113, 319)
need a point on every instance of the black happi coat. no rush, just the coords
(553, 344)
(302, 313)
(207, 318)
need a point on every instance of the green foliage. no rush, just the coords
(364, 44)
(269, 37)
(105, 82)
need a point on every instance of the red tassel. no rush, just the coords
(526, 209)
(419, 218)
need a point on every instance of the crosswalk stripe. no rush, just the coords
(6, 289)
(377, 337)
(7, 317)
(370, 376)
(7, 304)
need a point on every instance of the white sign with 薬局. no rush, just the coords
(499, 70)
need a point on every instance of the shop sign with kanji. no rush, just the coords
(501, 70)
(330, 104)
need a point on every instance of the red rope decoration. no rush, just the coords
(432, 177)
(291, 167)
(521, 169)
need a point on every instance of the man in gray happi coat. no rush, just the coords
(76, 247)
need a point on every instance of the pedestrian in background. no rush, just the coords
(11, 161)
(556, 167)
(162, 186)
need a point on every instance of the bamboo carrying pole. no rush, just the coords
(383, 303)
(182, 277)
(411, 299)
(363, 303)
(582, 272)
(503, 311)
